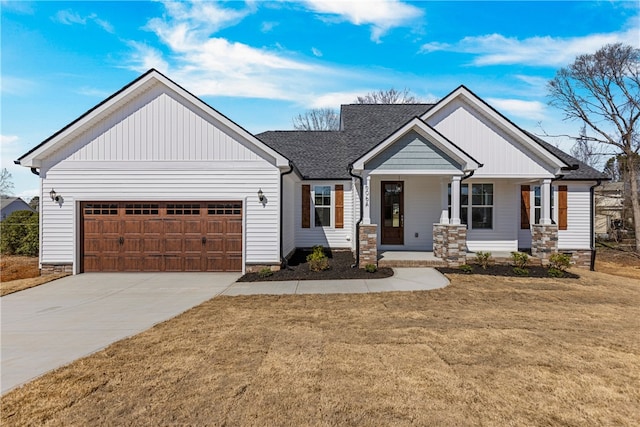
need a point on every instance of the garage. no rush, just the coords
(161, 236)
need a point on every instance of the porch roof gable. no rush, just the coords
(443, 147)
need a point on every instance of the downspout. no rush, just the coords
(35, 172)
(283, 261)
(592, 207)
(357, 257)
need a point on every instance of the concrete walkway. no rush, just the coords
(54, 324)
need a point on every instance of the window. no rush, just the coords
(141, 209)
(101, 209)
(322, 202)
(183, 209)
(537, 204)
(480, 206)
(224, 209)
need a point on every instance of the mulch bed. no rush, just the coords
(340, 263)
(505, 271)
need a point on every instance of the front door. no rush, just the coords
(392, 212)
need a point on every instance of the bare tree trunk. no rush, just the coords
(635, 202)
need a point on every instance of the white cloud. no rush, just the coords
(380, 15)
(27, 195)
(335, 99)
(70, 17)
(268, 26)
(497, 49)
(316, 52)
(8, 139)
(90, 91)
(532, 110)
(16, 85)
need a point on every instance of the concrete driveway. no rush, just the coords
(51, 325)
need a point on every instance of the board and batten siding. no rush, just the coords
(159, 147)
(412, 152)
(330, 237)
(578, 232)
(500, 153)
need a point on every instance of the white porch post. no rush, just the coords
(444, 202)
(545, 217)
(455, 201)
(366, 214)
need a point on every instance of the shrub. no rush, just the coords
(19, 234)
(317, 260)
(559, 261)
(555, 272)
(265, 272)
(482, 259)
(520, 259)
(521, 271)
(371, 268)
(466, 268)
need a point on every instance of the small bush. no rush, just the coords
(520, 259)
(559, 261)
(265, 272)
(466, 268)
(555, 272)
(317, 260)
(520, 271)
(371, 268)
(19, 234)
(482, 259)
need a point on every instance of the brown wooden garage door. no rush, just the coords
(161, 236)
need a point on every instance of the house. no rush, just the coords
(9, 205)
(609, 199)
(154, 179)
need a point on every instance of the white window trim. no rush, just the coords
(331, 206)
(470, 206)
(532, 201)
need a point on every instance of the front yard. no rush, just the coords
(483, 351)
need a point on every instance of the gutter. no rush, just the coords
(283, 261)
(357, 257)
(592, 208)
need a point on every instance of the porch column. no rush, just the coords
(545, 217)
(455, 201)
(444, 202)
(366, 205)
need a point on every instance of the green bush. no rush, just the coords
(482, 259)
(371, 268)
(520, 271)
(555, 272)
(559, 261)
(265, 272)
(19, 234)
(466, 268)
(520, 259)
(317, 260)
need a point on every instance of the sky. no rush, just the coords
(261, 63)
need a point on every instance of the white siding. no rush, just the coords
(327, 236)
(124, 181)
(288, 230)
(500, 153)
(578, 232)
(156, 126)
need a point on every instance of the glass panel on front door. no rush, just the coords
(392, 213)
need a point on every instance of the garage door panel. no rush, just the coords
(161, 236)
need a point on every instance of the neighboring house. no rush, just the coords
(154, 179)
(11, 204)
(609, 209)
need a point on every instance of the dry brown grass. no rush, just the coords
(18, 273)
(618, 263)
(7, 288)
(483, 351)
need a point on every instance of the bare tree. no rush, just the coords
(317, 119)
(585, 150)
(389, 96)
(603, 91)
(6, 183)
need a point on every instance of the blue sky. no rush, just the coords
(262, 62)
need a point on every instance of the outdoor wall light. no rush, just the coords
(260, 195)
(54, 196)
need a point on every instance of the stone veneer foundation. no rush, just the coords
(450, 243)
(544, 241)
(581, 258)
(55, 269)
(368, 238)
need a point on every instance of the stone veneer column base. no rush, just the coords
(450, 243)
(255, 268)
(580, 258)
(544, 241)
(368, 238)
(56, 268)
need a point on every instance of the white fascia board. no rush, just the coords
(417, 172)
(468, 163)
(472, 99)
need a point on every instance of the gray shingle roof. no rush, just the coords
(327, 154)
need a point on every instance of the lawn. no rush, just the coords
(483, 351)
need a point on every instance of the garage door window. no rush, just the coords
(101, 209)
(224, 209)
(141, 209)
(183, 209)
